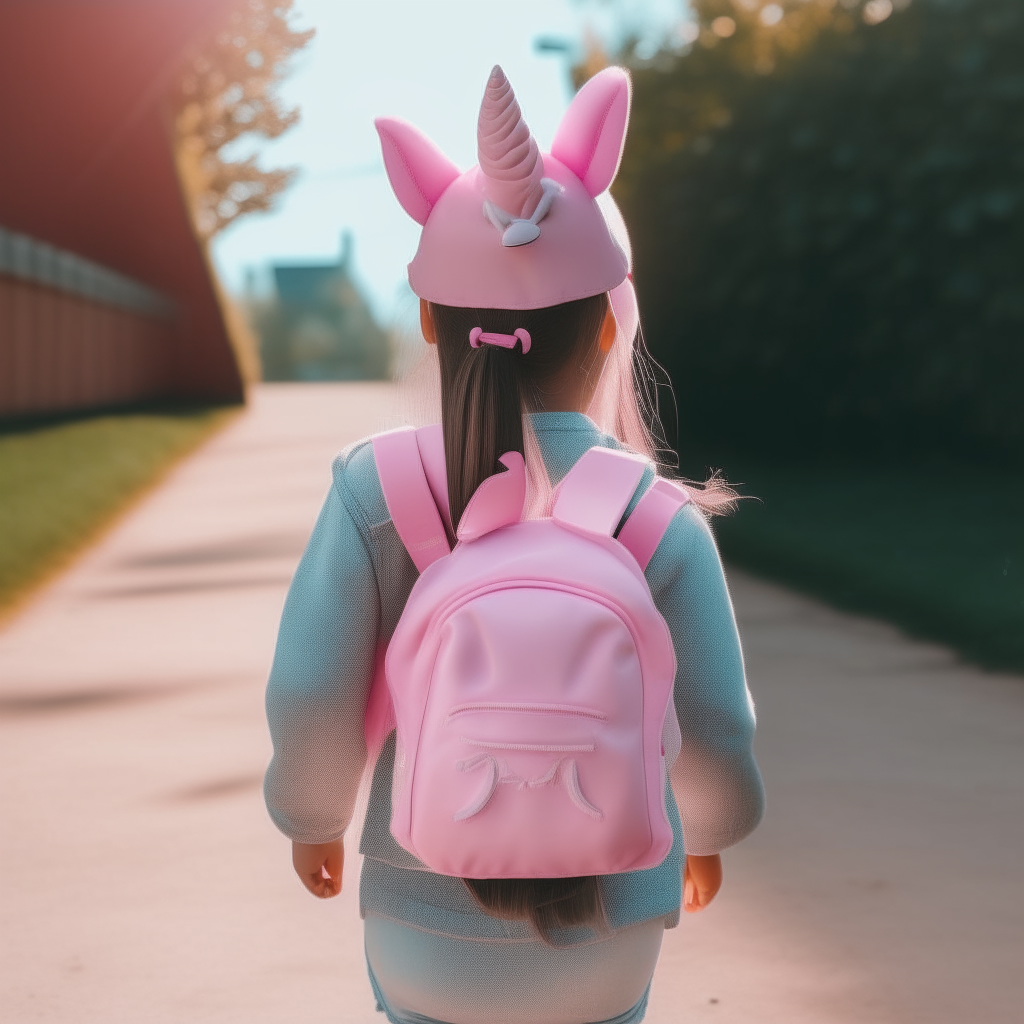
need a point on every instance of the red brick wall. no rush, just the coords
(62, 352)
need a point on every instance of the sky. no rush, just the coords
(425, 61)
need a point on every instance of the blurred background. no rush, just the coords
(200, 255)
(826, 201)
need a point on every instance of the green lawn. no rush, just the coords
(62, 482)
(936, 548)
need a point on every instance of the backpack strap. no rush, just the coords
(643, 530)
(408, 496)
(431, 444)
(596, 491)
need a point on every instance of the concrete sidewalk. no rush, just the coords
(142, 881)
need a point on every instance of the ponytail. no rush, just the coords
(482, 416)
(547, 903)
(486, 391)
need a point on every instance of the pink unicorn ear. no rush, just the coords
(591, 136)
(418, 171)
(498, 501)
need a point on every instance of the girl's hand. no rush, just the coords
(319, 866)
(701, 881)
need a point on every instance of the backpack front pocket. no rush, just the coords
(559, 733)
(549, 783)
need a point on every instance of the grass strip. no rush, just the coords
(936, 548)
(63, 482)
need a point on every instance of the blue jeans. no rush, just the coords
(419, 977)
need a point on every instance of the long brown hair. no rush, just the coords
(485, 392)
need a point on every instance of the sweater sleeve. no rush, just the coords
(320, 680)
(715, 778)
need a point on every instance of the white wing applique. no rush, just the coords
(523, 230)
(564, 769)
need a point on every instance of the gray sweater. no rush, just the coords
(347, 595)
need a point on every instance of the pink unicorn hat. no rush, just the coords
(522, 229)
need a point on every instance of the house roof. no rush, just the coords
(306, 284)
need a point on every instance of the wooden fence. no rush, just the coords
(74, 334)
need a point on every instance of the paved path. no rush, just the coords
(141, 880)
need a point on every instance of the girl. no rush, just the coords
(523, 276)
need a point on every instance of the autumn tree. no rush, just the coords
(229, 91)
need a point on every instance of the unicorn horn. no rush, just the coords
(509, 157)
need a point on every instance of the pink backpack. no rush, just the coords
(530, 675)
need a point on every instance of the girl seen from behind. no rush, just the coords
(560, 734)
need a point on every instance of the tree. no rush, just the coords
(228, 92)
(827, 211)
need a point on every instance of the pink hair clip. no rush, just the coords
(478, 338)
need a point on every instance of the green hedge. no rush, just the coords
(829, 226)
(929, 546)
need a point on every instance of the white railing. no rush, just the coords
(37, 262)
